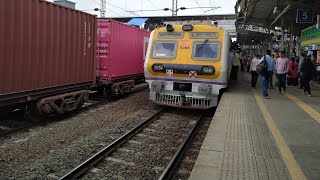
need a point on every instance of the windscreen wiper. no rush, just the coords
(204, 43)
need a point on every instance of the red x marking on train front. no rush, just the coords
(193, 74)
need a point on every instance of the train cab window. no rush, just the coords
(164, 49)
(206, 50)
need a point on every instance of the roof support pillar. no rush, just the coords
(318, 22)
(282, 33)
(298, 45)
(270, 39)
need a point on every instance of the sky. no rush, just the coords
(120, 8)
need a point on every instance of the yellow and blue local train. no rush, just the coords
(187, 65)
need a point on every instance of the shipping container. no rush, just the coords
(45, 49)
(120, 51)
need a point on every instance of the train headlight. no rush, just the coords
(157, 67)
(187, 27)
(157, 86)
(204, 89)
(208, 70)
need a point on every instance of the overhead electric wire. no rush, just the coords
(213, 7)
(114, 12)
(196, 1)
(211, 3)
(123, 9)
(146, 10)
(116, 7)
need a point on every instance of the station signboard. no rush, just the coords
(304, 16)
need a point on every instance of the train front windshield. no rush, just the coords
(164, 50)
(206, 51)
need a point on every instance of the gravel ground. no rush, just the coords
(146, 155)
(47, 152)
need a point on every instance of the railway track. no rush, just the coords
(4, 131)
(22, 124)
(184, 169)
(151, 150)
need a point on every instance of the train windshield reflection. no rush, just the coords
(206, 51)
(164, 50)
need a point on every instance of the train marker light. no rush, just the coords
(208, 70)
(157, 67)
(187, 27)
(169, 28)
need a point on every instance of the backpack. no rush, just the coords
(262, 67)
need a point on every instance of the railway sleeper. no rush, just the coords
(62, 103)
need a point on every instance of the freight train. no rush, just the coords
(51, 57)
(187, 65)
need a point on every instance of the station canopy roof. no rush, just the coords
(137, 21)
(262, 15)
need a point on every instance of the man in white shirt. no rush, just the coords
(253, 69)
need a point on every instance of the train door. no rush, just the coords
(145, 47)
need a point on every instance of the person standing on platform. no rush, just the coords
(249, 63)
(235, 65)
(265, 76)
(271, 77)
(302, 57)
(296, 58)
(306, 74)
(243, 59)
(253, 68)
(231, 56)
(282, 67)
(274, 57)
(293, 72)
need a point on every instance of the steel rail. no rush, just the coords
(35, 124)
(7, 132)
(170, 168)
(90, 162)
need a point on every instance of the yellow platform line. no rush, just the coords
(312, 112)
(293, 167)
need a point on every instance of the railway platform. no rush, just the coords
(255, 138)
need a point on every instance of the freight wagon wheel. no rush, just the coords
(32, 114)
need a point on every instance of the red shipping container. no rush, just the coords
(120, 50)
(44, 48)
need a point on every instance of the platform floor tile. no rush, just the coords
(238, 143)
